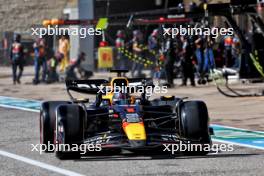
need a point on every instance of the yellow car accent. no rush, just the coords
(167, 96)
(108, 97)
(135, 131)
(118, 78)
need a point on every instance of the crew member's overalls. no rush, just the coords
(137, 67)
(40, 61)
(154, 52)
(17, 61)
(228, 42)
(121, 59)
(169, 61)
(187, 65)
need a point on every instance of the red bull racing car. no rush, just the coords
(117, 120)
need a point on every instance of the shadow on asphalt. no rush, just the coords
(133, 156)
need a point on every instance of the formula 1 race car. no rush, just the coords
(119, 121)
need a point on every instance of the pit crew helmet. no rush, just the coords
(120, 34)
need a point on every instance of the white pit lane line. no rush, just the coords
(39, 164)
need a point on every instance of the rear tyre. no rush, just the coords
(47, 121)
(69, 131)
(194, 126)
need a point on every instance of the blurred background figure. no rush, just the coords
(205, 57)
(208, 61)
(170, 58)
(40, 60)
(17, 58)
(228, 42)
(138, 51)
(70, 71)
(64, 48)
(236, 52)
(153, 47)
(52, 63)
(5, 46)
(187, 65)
(120, 43)
(199, 53)
(193, 6)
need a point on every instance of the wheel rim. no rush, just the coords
(60, 134)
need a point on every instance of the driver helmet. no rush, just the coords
(120, 99)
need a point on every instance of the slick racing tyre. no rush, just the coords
(47, 121)
(194, 126)
(69, 131)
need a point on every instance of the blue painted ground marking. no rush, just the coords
(242, 137)
(19, 103)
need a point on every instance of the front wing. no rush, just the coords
(117, 140)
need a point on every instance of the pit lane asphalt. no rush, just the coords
(20, 129)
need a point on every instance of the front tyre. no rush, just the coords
(194, 121)
(69, 131)
(47, 121)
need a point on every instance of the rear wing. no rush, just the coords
(85, 86)
(118, 71)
